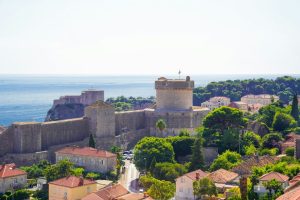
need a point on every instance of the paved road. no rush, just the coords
(130, 178)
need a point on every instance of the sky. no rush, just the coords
(132, 37)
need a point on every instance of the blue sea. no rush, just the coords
(29, 97)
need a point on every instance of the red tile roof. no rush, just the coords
(108, 193)
(10, 170)
(274, 175)
(134, 196)
(72, 182)
(86, 151)
(293, 194)
(192, 175)
(295, 180)
(222, 176)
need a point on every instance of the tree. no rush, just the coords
(227, 160)
(290, 151)
(182, 145)
(152, 165)
(161, 125)
(273, 185)
(204, 186)
(162, 190)
(148, 148)
(295, 108)
(92, 142)
(283, 121)
(184, 132)
(197, 161)
(168, 171)
(251, 138)
(271, 140)
(59, 170)
(224, 118)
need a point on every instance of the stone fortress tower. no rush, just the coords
(174, 104)
(176, 94)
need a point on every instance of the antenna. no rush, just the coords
(179, 72)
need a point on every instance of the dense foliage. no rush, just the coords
(285, 87)
(182, 145)
(226, 160)
(168, 171)
(203, 187)
(197, 161)
(122, 103)
(148, 148)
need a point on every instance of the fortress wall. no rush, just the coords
(6, 144)
(27, 137)
(130, 121)
(198, 116)
(63, 131)
(129, 139)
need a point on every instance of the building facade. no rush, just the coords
(11, 177)
(90, 159)
(263, 99)
(71, 188)
(216, 102)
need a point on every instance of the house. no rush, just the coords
(263, 99)
(216, 102)
(90, 158)
(245, 167)
(71, 188)
(11, 177)
(283, 179)
(184, 184)
(224, 179)
(293, 194)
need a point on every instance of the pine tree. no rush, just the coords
(92, 142)
(197, 155)
(295, 108)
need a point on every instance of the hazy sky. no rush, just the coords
(150, 37)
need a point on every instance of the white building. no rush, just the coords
(216, 102)
(184, 184)
(91, 159)
(263, 99)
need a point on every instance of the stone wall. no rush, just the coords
(130, 121)
(27, 137)
(63, 131)
(6, 141)
(25, 158)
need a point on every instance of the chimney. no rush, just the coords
(197, 176)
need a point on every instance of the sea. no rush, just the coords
(29, 97)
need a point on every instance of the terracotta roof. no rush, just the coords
(10, 170)
(72, 182)
(86, 151)
(222, 176)
(274, 175)
(295, 179)
(192, 175)
(134, 196)
(108, 193)
(293, 194)
(246, 166)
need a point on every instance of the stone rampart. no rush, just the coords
(130, 121)
(6, 141)
(25, 158)
(63, 131)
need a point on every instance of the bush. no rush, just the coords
(270, 152)
(271, 140)
(290, 151)
(227, 160)
(182, 145)
(168, 171)
(283, 121)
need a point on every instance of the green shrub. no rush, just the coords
(290, 151)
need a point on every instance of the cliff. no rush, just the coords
(65, 111)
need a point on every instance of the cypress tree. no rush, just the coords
(92, 142)
(295, 108)
(197, 155)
